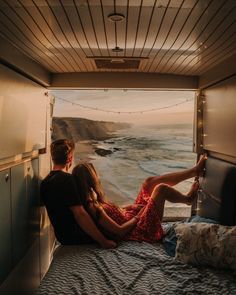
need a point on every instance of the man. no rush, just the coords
(72, 224)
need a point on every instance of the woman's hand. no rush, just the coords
(127, 207)
(140, 212)
(140, 206)
(134, 207)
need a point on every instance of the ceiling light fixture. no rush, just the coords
(116, 17)
(117, 49)
(117, 61)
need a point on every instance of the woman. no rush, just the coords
(140, 221)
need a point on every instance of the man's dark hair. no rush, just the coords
(60, 150)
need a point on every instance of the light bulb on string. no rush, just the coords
(122, 112)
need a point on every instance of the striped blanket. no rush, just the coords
(132, 268)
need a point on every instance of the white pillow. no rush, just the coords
(206, 244)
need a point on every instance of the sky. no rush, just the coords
(126, 101)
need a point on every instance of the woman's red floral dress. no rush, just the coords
(148, 228)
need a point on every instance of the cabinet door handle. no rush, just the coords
(6, 177)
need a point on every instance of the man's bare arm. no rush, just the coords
(86, 223)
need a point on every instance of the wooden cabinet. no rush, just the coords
(19, 212)
(19, 229)
(5, 225)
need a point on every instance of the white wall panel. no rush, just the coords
(219, 118)
(22, 114)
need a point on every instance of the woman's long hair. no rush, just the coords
(87, 181)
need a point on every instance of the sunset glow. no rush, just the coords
(126, 101)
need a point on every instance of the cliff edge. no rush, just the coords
(84, 129)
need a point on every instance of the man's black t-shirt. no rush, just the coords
(59, 193)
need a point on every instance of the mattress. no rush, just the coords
(131, 268)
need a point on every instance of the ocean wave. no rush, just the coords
(144, 154)
(181, 167)
(146, 169)
(160, 167)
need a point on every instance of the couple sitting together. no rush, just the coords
(80, 214)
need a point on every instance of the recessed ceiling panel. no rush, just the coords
(185, 37)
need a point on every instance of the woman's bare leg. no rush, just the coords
(163, 192)
(175, 177)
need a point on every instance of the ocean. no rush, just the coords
(140, 152)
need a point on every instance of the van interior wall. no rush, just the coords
(219, 121)
(217, 197)
(26, 239)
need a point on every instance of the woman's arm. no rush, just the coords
(110, 225)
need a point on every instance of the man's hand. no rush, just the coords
(109, 244)
(85, 221)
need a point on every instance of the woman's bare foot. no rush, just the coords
(192, 194)
(199, 168)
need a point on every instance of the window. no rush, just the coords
(129, 135)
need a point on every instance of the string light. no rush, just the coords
(124, 112)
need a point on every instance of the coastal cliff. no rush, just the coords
(83, 129)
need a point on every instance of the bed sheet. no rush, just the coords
(131, 268)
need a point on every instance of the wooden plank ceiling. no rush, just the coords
(185, 37)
